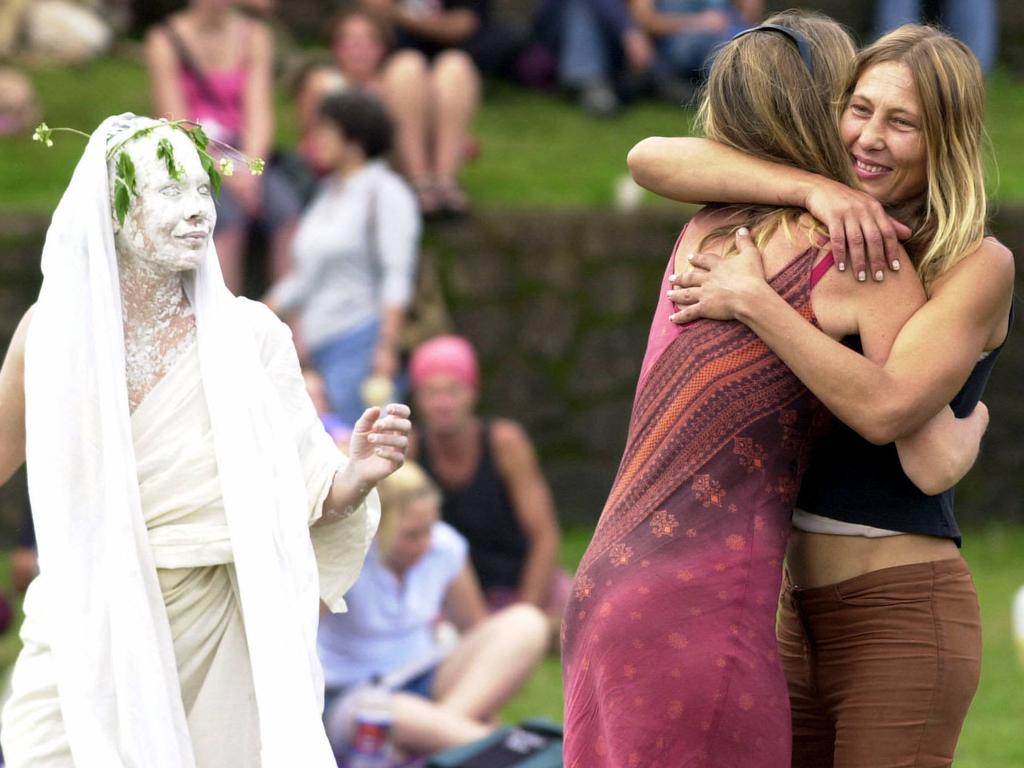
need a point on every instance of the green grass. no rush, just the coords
(992, 735)
(538, 149)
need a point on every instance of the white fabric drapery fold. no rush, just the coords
(109, 634)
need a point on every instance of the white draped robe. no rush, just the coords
(191, 547)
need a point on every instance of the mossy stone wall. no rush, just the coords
(558, 305)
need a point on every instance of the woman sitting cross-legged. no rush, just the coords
(417, 568)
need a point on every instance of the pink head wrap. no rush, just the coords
(452, 355)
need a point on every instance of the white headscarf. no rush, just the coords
(111, 641)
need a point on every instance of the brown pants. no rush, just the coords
(881, 668)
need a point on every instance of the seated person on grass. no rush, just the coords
(444, 695)
(495, 493)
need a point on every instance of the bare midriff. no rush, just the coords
(820, 559)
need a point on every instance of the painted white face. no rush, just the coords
(169, 222)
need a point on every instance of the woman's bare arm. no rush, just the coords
(696, 170)
(464, 603)
(930, 359)
(12, 403)
(938, 455)
(534, 508)
(258, 111)
(164, 75)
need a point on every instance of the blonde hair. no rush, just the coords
(762, 99)
(950, 220)
(408, 483)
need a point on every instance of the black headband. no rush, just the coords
(797, 37)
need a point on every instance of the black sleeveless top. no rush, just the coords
(853, 481)
(482, 512)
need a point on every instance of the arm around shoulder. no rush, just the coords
(696, 170)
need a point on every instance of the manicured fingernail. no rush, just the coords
(895, 265)
(842, 266)
(743, 231)
(862, 276)
(879, 275)
(672, 278)
(689, 257)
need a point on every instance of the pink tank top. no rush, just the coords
(218, 106)
(213, 99)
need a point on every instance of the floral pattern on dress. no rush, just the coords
(752, 455)
(708, 490)
(663, 523)
(621, 555)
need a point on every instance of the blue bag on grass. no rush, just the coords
(531, 744)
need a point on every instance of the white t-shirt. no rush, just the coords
(389, 623)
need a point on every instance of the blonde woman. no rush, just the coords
(417, 568)
(880, 632)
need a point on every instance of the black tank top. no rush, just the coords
(853, 481)
(482, 512)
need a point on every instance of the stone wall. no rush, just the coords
(559, 304)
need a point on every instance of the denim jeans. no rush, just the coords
(586, 50)
(688, 53)
(344, 362)
(974, 22)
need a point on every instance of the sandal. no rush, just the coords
(427, 195)
(452, 199)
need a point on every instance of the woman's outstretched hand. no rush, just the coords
(718, 288)
(380, 440)
(864, 237)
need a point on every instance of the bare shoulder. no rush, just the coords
(157, 42)
(844, 305)
(979, 289)
(692, 235)
(990, 261)
(509, 439)
(902, 286)
(506, 432)
(987, 273)
(258, 35)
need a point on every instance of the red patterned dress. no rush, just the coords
(669, 654)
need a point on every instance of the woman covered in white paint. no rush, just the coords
(190, 508)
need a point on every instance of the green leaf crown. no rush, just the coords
(124, 169)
